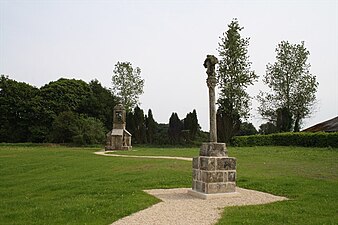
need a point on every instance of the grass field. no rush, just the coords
(60, 185)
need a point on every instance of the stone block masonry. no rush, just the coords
(213, 171)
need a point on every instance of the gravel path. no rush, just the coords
(141, 156)
(179, 208)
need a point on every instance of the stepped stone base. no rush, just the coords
(212, 196)
(213, 171)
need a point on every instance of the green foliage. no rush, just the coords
(247, 129)
(320, 139)
(65, 127)
(161, 136)
(190, 124)
(184, 132)
(27, 113)
(63, 111)
(234, 76)
(100, 104)
(292, 86)
(69, 127)
(65, 95)
(284, 120)
(145, 130)
(201, 136)
(175, 128)
(136, 124)
(267, 128)
(20, 111)
(130, 122)
(150, 127)
(228, 125)
(91, 131)
(127, 84)
(140, 126)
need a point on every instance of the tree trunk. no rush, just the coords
(297, 125)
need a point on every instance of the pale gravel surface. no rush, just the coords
(141, 156)
(180, 208)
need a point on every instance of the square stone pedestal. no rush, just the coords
(213, 171)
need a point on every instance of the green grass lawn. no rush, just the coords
(60, 185)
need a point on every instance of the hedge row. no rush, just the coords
(306, 139)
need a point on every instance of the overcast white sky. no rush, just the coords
(41, 41)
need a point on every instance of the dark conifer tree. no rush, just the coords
(175, 128)
(140, 131)
(150, 127)
(130, 124)
(191, 124)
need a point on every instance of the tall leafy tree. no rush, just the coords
(54, 112)
(234, 76)
(100, 103)
(127, 84)
(292, 87)
(21, 112)
(65, 95)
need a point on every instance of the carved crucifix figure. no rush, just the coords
(210, 63)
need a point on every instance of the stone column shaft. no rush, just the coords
(211, 82)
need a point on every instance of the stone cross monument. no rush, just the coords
(214, 173)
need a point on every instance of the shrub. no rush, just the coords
(319, 139)
(70, 127)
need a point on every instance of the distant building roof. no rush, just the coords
(119, 132)
(327, 126)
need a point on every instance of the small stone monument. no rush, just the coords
(118, 138)
(214, 172)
